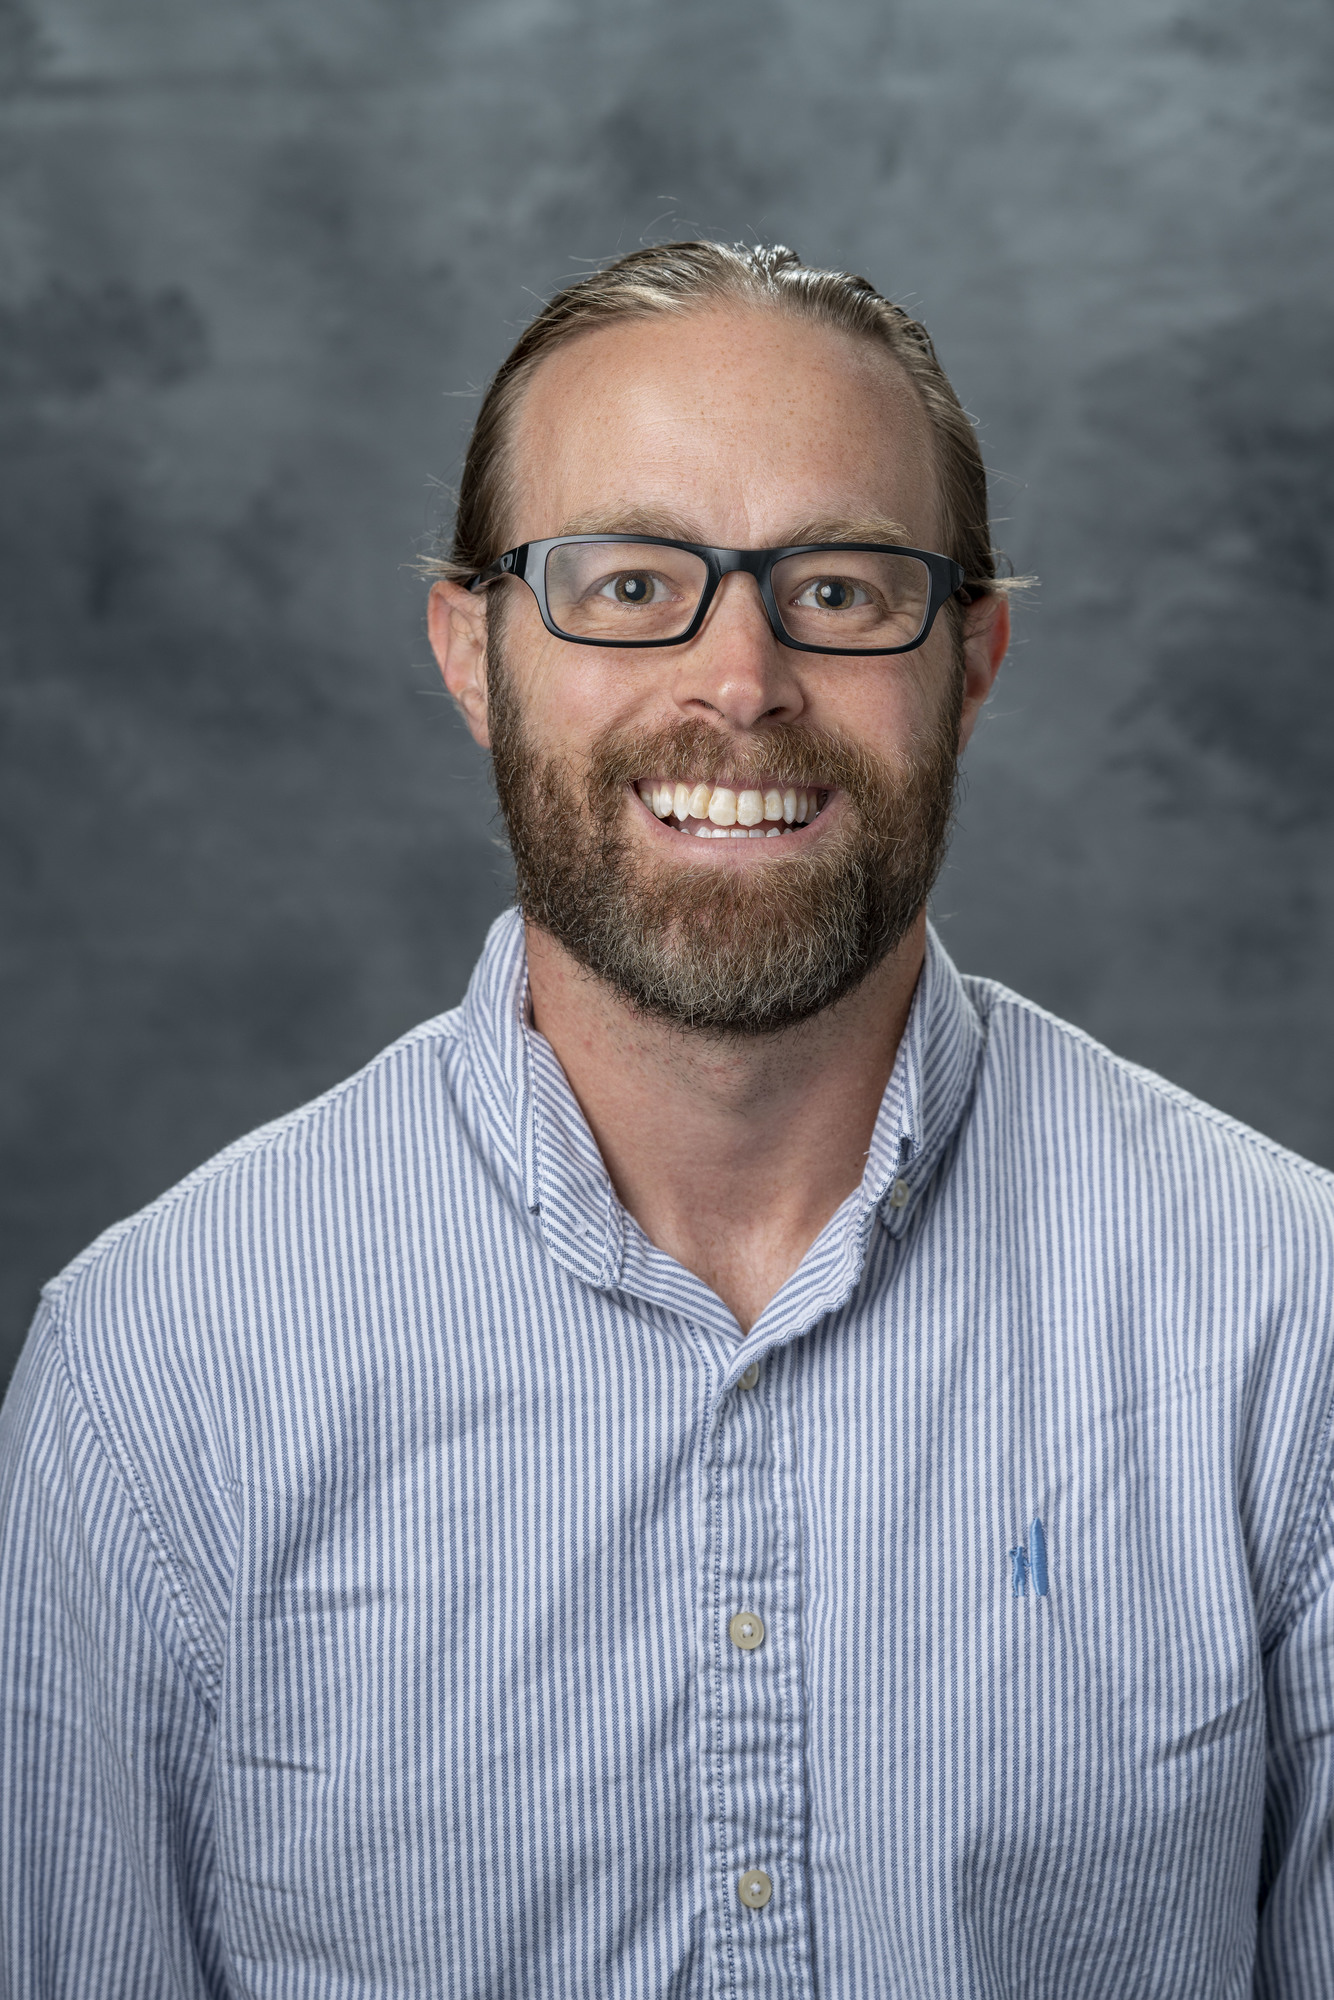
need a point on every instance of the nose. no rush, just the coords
(734, 668)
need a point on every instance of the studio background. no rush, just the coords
(255, 262)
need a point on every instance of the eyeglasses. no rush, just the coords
(643, 590)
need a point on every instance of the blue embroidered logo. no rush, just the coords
(1030, 1562)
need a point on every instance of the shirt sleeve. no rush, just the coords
(1295, 1955)
(107, 1885)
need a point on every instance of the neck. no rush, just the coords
(731, 1154)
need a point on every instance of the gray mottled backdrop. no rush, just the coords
(255, 260)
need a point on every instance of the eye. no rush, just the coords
(633, 586)
(832, 593)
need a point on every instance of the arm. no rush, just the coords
(106, 1876)
(1295, 1954)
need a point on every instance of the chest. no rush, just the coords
(485, 1681)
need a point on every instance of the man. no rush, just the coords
(739, 1461)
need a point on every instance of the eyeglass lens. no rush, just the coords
(639, 591)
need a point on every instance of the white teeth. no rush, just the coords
(707, 832)
(726, 809)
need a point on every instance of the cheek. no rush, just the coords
(544, 677)
(572, 693)
(885, 706)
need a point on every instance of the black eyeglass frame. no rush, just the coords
(529, 563)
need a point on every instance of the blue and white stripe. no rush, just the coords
(374, 1505)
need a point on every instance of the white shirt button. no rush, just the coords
(898, 1194)
(749, 1376)
(746, 1630)
(755, 1888)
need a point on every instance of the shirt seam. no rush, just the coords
(120, 1464)
(1170, 1093)
(1311, 1511)
(444, 1028)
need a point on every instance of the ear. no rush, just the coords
(986, 636)
(456, 621)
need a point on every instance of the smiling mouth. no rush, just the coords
(719, 812)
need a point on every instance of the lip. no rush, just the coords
(738, 853)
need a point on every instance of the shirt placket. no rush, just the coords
(752, 1701)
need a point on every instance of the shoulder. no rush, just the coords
(255, 1241)
(1083, 1096)
(194, 1333)
(1196, 1256)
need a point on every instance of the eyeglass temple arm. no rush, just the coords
(510, 564)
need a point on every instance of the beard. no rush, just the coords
(727, 952)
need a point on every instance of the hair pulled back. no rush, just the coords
(682, 277)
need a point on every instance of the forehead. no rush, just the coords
(742, 423)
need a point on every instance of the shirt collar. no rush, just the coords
(544, 1147)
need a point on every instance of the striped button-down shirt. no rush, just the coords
(378, 1508)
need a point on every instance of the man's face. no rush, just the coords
(742, 429)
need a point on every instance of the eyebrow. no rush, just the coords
(632, 521)
(673, 527)
(851, 528)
